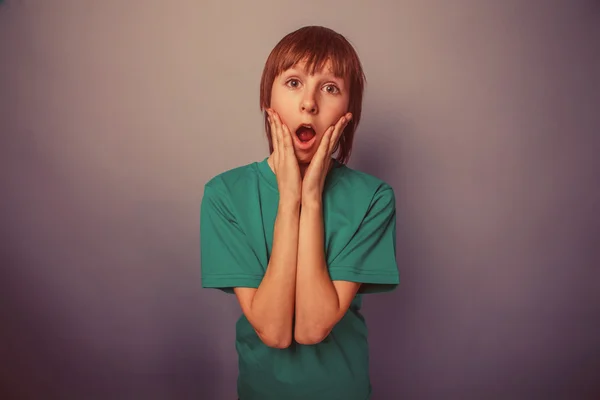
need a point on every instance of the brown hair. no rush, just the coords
(316, 45)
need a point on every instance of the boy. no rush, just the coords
(299, 237)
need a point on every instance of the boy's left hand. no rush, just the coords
(316, 172)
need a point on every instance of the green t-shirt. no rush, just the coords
(236, 236)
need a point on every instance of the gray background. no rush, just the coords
(481, 114)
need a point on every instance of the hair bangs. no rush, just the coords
(315, 54)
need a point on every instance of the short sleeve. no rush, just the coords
(370, 255)
(226, 258)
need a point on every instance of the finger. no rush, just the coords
(275, 130)
(321, 152)
(280, 132)
(287, 138)
(271, 129)
(275, 127)
(337, 133)
(275, 140)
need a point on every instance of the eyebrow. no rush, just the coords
(326, 75)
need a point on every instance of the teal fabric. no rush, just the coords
(236, 229)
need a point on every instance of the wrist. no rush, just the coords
(291, 206)
(312, 203)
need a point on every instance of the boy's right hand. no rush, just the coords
(285, 163)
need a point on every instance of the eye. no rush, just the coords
(293, 83)
(332, 89)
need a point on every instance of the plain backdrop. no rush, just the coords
(483, 116)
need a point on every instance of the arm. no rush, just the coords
(320, 302)
(270, 308)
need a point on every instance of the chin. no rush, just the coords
(303, 158)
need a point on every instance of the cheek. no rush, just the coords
(275, 101)
(337, 107)
(281, 106)
(335, 114)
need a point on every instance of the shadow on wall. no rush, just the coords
(51, 358)
(390, 315)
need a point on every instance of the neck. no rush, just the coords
(302, 169)
(302, 166)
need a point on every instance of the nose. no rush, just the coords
(309, 104)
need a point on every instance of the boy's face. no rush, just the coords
(317, 101)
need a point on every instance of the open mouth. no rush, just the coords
(305, 133)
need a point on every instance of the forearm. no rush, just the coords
(272, 307)
(317, 302)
